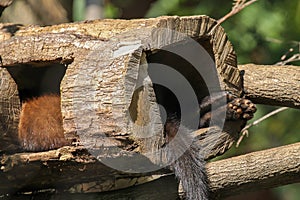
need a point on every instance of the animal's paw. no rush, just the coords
(240, 108)
(236, 108)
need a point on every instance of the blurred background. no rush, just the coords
(261, 33)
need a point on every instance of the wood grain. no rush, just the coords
(272, 85)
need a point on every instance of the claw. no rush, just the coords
(236, 109)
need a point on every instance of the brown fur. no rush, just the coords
(40, 126)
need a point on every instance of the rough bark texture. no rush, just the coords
(9, 112)
(103, 64)
(69, 169)
(272, 85)
(105, 67)
(263, 169)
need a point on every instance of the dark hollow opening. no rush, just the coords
(172, 57)
(37, 79)
(33, 80)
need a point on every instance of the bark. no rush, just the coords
(263, 169)
(9, 112)
(106, 63)
(272, 85)
(108, 101)
(69, 169)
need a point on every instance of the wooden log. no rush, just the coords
(9, 112)
(105, 67)
(109, 104)
(263, 169)
(68, 169)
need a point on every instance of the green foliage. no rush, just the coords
(110, 11)
(191, 7)
(278, 130)
(162, 7)
(252, 31)
(78, 10)
(288, 192)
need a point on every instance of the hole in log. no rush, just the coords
(37, 79)
(185, 74)
(40, 125)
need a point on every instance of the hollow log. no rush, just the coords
(105, 71)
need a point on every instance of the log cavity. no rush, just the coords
(177, 57)
(37, 78)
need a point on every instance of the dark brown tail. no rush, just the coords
(188, 164)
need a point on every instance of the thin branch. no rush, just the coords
(245, 132)
(290, 55)
(284, 61)
(237, 7)
(293, 58)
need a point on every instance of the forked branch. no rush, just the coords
(238, 5)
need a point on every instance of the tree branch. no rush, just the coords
(258, 170)
(272, 85)
(244, 131)
(238, 6)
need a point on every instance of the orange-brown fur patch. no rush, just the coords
(40, 126)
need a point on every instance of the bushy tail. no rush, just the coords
(188, 164)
